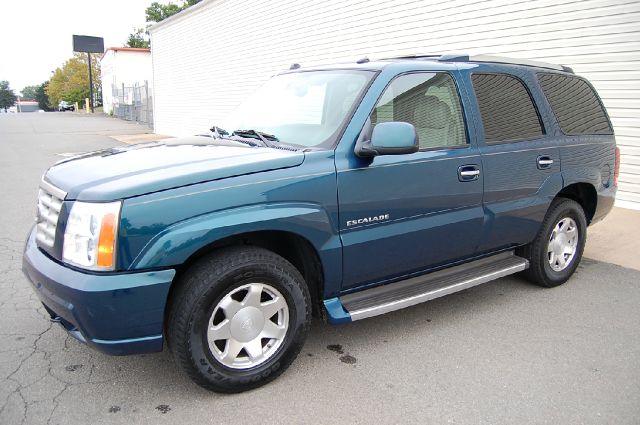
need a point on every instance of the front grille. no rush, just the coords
(49, 205)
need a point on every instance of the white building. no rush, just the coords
(126, 66)
(215, 53)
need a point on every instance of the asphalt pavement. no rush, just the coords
(505, 352)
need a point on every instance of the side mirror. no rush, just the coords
(389, 138)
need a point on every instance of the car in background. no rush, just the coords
(65, 106)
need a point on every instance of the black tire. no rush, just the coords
(540, 271)
(200, 290)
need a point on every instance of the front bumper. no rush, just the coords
(117, 313)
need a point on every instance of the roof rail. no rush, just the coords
(452, 57)
(416, 56)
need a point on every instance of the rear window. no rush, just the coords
(575, 105)
(507, 110)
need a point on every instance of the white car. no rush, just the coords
(65, 106)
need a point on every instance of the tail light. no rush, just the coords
(616, 168)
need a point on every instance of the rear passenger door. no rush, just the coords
(521, 162)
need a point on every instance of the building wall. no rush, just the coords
(27, 106)
(119, 67)
(214, 54)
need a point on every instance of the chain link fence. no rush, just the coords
(133, 103)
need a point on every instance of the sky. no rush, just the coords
(36, 35)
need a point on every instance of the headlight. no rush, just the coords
(90, 235)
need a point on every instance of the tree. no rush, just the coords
(71, 82)
(157, 12)
(7, 96)
(137, 39)
(29, 92)
(41, 96)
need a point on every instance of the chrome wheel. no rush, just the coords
(248, 326)
(563, 244)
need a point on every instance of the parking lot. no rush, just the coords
(506, 352)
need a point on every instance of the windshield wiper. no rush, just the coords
(218, 132)
(222, 134)
(266, 139)
(251, 137)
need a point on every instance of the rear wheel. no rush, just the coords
(556, 251)
(238, 319)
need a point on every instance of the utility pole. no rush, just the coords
(90, 83)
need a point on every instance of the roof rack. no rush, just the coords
(464, 57)
(501, 59)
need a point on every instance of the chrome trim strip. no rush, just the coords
(48, 187)
(440, 292)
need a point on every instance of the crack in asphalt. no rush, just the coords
(10, 255)
(18, 300)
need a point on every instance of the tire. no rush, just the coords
(246, 284)
(546, 267)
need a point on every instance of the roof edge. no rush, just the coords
(125, 49)
(181, 15)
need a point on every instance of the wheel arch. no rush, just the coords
(584, 194)
(294, 248)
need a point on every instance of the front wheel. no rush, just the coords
(238, 319)
(556, 251)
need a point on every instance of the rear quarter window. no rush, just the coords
(507, 110)
(575, 104)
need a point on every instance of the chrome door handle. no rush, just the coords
(470, 173)
(544, 162)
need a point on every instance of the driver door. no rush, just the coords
(405, 214)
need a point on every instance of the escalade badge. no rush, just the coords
(368, 220)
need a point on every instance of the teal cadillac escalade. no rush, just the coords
(347, 191)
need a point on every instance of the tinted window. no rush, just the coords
(575, 105)
(430, 102)
(507, 110)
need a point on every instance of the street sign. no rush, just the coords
(85, 43)
(88, 44)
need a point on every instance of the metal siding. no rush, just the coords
(206, 60)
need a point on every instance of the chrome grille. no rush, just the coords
(49, 205)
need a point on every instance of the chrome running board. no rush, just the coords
(394, 296)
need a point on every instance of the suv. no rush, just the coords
(347, 191)
(65, 106)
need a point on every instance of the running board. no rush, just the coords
(394, 296)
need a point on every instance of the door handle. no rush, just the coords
(470, 173)
(467, 173)
(544, 162)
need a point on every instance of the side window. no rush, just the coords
(575, 105)
(507, 110)
(430, 102)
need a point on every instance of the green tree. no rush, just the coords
(29, 92)
(71, 82)
(157, 12)
(41, 96)
(7, 96)
(138, 39)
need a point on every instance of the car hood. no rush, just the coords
(123, 172)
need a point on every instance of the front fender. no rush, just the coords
(175, 244)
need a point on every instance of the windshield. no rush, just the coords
(302, 108)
